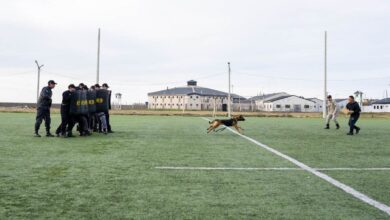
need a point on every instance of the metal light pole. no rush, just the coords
(39, 76)
(325, 78)
(229, 113)
(98, 58)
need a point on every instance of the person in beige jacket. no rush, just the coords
(332, 112)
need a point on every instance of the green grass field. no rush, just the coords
(115, 176)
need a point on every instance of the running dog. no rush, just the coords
(233, 122)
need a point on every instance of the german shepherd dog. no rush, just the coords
(233, 122)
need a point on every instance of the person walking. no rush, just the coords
(354, 112)
(43, 108)
(332, 112)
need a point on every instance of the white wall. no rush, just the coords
(377, 108)
(296, 104)
(188, 102)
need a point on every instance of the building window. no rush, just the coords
(381, 106)
(306, 106)
(287, 106)
(197, 97)
(278, 106)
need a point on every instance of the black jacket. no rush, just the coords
(66, 97)
(355, 108)
(44, 101)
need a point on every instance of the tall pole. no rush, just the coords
(39, 76)
(229, 113)
(325, 78)
(98, 58)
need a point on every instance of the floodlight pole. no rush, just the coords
(229, 110)
(39, 76)
(325, 78)
(98, 58)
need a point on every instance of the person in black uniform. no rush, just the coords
(43, 109)
(65, 128)
(354, 112)
(109, 130)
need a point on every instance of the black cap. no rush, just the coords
(105, 85)
(71, 86)
(51, 82)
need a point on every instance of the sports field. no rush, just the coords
(160, 167)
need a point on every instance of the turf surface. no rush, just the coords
(114, 176)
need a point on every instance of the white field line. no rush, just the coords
(273, 168)
(338, 184)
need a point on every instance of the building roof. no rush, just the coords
(286, 96)
(315, 99)
(340, 100)
(194, 90)
(278, 98)
(382, 101)
(265, 97)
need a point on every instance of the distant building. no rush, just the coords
(319, 103)
(261, 99)
(382, 105)
(289, 103)
(342, 103)
(191, 97)
(284, 102)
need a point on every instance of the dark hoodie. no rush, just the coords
(354, 106)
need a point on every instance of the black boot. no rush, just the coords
(69, 134)
(37, 134)
(48, 134)
(327, 126)
(357, 130)
(337, 126)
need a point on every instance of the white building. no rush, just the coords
(342, 103)
(289, 103)
(319, 104)
(382, 105)
(191, 97)
(261, 99)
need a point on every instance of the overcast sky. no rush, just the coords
(149, 45)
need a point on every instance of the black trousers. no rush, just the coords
(108, 120)
(352, 123)
(83, 123)
(66, 120)
(43, 114)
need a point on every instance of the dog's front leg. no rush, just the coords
(237, 128)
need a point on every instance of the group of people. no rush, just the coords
(99, 121)
(352, 109)
(87, 122)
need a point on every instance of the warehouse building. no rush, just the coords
(382, 105)
(284, 102)
(289, 103)
(191, 97)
